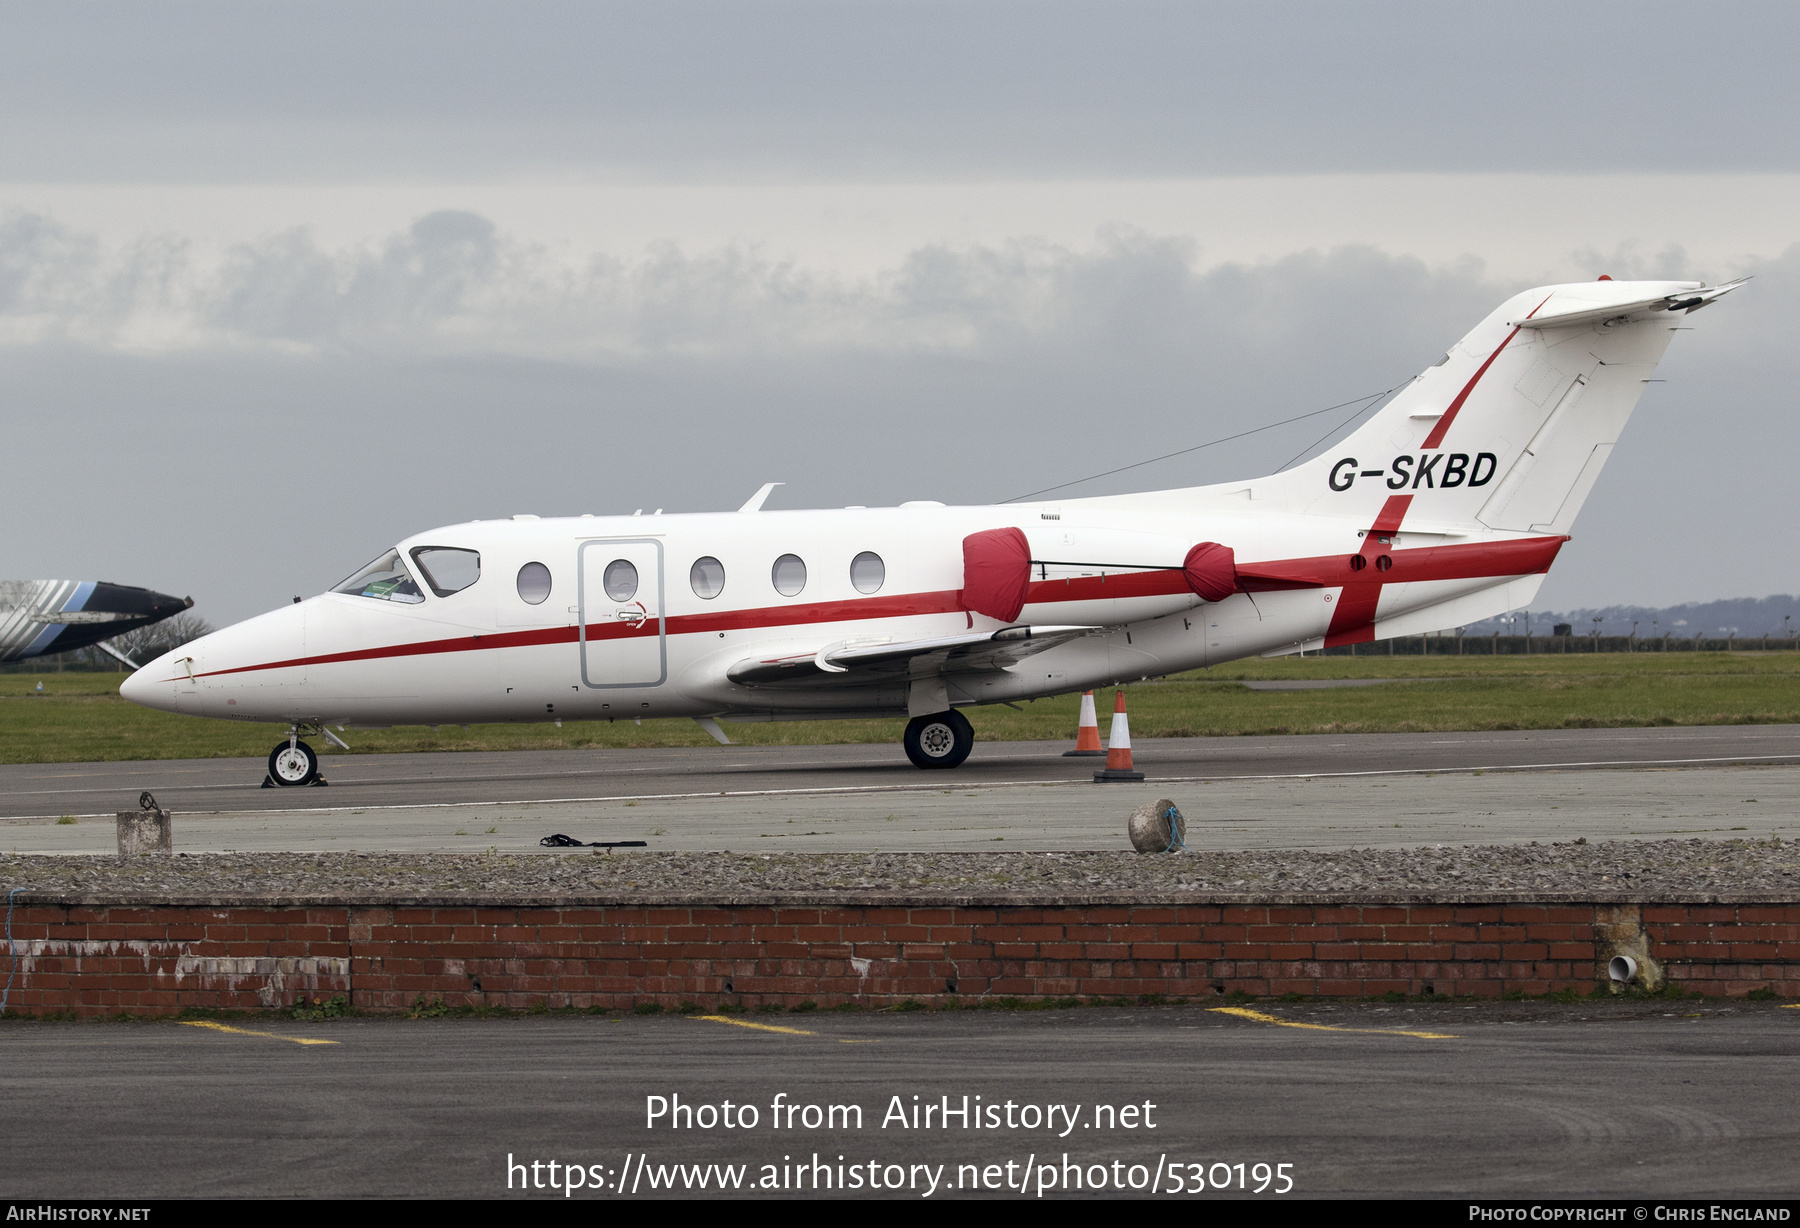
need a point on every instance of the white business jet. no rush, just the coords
(1446, 507)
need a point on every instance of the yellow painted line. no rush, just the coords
(219, 1027)
(1259, 1017)
(770, 1027)
(760, 1027)
(1791, 1006)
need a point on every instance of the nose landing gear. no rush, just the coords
(293, 763)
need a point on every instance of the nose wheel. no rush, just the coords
(293, 763)
(941, 740)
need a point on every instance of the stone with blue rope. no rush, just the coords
(1157, 827)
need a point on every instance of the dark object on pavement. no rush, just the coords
(560, 841)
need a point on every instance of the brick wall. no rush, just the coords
(1727, 948)
(151, 958)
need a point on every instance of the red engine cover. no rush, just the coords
(996, 573)
(1211, 571)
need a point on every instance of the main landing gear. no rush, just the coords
(293, 763)
(941, 740)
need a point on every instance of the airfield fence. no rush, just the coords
(1449, 644)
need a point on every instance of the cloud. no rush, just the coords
(297, 407)
(452, 283)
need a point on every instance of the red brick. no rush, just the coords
(537, 955)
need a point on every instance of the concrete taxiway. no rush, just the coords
(506, 777)
(1379, 790)
(1530, 1099)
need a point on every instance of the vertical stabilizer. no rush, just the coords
(1510, 428)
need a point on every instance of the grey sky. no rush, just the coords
(280, 285)
(339, 404)
(227, 90)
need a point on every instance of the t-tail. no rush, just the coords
(1509, 430)
(1450, 504)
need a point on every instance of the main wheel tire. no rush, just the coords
(941, 740)
(293, 765)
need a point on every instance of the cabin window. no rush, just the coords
(446, 568)
(534, 583)
(620, 580)
(789, 575)
(707, 575)
(386, 579)
(867, 572)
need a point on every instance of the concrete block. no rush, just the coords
(145, 833)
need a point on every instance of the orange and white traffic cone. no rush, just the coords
(1087, 733)
(1118, 744)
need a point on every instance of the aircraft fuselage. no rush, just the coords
(486, 653)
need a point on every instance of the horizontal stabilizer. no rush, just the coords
(1577, 313)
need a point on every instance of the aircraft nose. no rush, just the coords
(137, 688)
(166, 683)
(152, 686)
(164, 606)
(238, 672)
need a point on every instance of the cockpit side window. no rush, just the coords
(446, 568)
(386, 579)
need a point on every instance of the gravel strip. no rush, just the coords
(1624, 870)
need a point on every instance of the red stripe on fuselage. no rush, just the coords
(1429, 563)
(1115, 587)
(1489, 560)
(1354, 619)
(681, 624)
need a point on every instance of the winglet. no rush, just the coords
(755, 502)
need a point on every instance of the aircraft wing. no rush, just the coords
(863, 662)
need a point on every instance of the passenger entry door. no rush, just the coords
(622, 631)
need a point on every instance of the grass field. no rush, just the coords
(80, 717)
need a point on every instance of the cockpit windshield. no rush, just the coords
(448, 569)
(386, 579)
